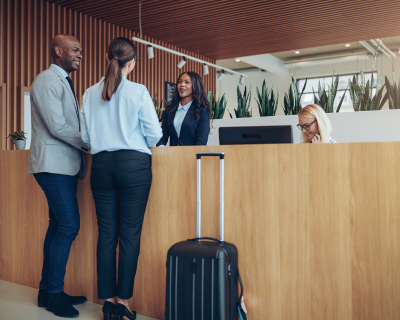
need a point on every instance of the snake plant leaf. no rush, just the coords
(385, 97)
(286, 104)
(276, 102)
(341, 101)
(396, 101)
(366, 93)
(391, 104)
(396, 90)
(362, 76)
(330, 102)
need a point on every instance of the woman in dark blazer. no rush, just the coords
(187, 120)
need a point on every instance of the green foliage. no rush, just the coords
(362, 96)
(217, 106)
(267, 107)
(326, 99)
(393, 93)
(17, 135)
(291, 101)
(243, 104)
(159, 106)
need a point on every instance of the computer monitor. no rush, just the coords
(255, 135)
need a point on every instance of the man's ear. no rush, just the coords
(58, 50)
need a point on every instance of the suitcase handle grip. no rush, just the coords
(221, 155)
(206, 238)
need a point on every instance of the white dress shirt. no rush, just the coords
(127, 122)
(62, 71)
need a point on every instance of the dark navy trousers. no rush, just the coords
(120, 182)
(64, 223)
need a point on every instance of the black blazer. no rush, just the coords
(193, 132)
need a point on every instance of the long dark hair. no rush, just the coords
(120, 51)
(199, 94)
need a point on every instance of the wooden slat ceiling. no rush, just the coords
(222, 29)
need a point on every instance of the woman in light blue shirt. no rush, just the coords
(119, 120)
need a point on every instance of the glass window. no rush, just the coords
(27, 119)
(312, 86)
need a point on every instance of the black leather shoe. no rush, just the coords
(42, 298)
(60, 306)
(108, 310)
(74, 300)
(122, 311)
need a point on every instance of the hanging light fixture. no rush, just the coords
(205, 68)
(154, 45)
(150, 52)
(182, 63)
(221, 75)
(241, 81)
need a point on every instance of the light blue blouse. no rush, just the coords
(180, 115)
(127, 122)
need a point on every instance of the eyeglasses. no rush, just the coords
(306, 126)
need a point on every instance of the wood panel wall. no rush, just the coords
(316, 226)
(26, 29)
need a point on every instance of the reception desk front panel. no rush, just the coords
(316, 226)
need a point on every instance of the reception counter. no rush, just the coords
(317, 227)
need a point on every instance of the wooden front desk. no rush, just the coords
(317, 227)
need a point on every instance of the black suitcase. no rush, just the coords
(202, 273)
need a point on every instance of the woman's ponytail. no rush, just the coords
(120, 51)
(112, 80)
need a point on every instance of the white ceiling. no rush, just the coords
(393, 43)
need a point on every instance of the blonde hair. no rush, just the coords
(314, 111)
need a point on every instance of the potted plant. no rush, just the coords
(325, 99)
(19, 139)
(292, 105)
(217, 106)
(266, 106)
(243, 104)
(362, 97)
(393, 93)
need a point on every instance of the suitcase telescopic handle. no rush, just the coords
(221, 156)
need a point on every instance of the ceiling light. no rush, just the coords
(297, 52)
(221, 75)
(205, 68)
(347, 45)
(237, 60)
(182, 63)
(241, 81)
(150, 52)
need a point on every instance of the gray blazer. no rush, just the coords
(56, 141)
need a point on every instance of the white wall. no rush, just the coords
(363, 126)
(229, 83)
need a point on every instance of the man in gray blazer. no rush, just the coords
(56, 160)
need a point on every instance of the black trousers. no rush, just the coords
(120, 182)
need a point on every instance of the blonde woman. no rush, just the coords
(314, 125)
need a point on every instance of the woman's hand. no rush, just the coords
(316, 139)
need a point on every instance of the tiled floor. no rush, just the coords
(20, 302)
